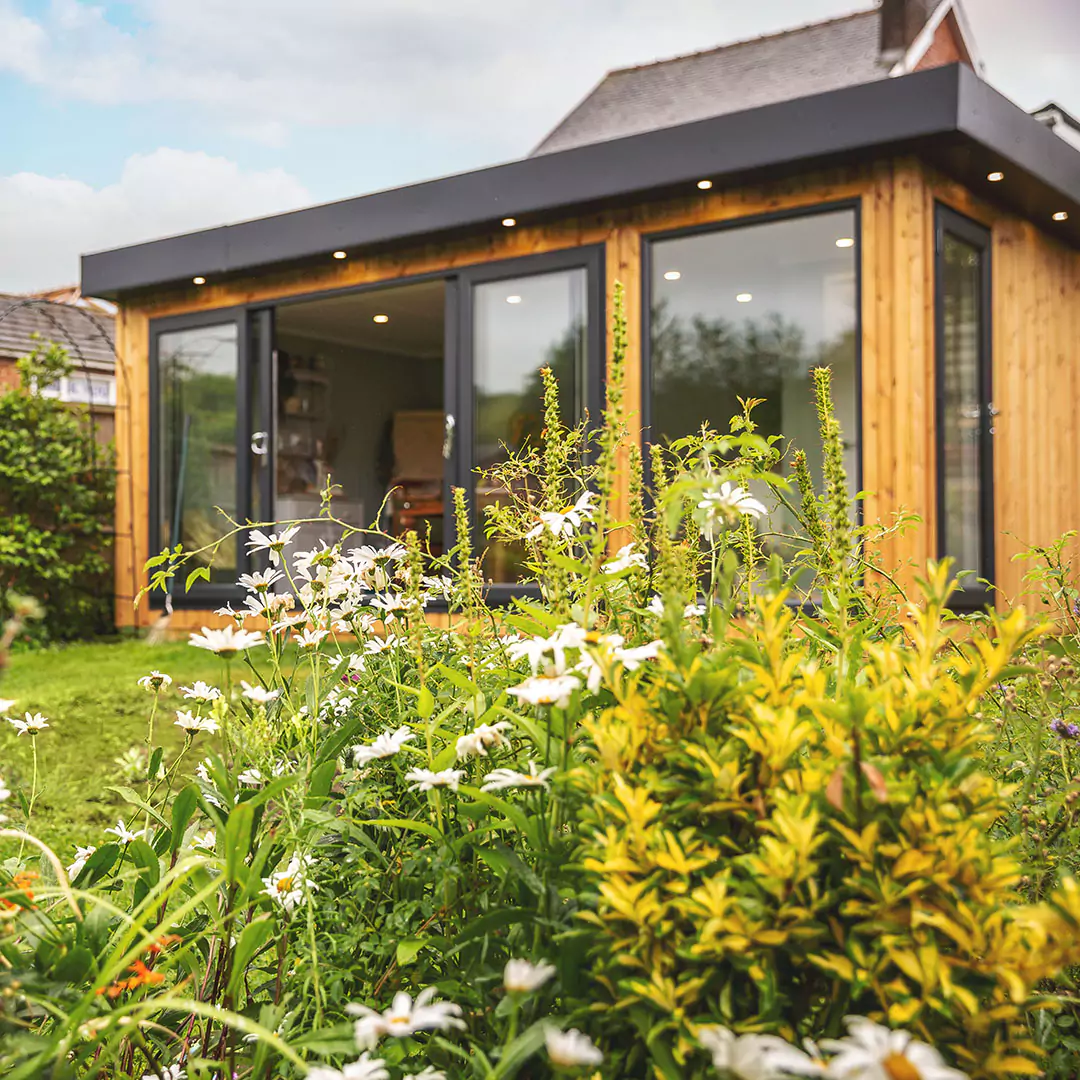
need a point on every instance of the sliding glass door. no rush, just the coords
(965, 408)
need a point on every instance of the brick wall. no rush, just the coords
(945, 48)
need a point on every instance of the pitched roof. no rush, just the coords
(87, 335)
(762, 71)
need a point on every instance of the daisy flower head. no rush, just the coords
(476, 742)
(290, 887)
(564, 522)
(878, 1053)
(261, 580)
(251, 778)
(152, 683)
(753, 1057)
(501, 779)
(385, 745)
(523, 977)
(167, 1072)
(192, 724)
(568, 1049)
(364, 1068)
(631, 658)
(5, 791)
(546, 690)
(309, 637)
(259, 694)
(226, 642)
(427, 780)
(30, 725)
(626, 558)
(430, 1073)
(404, 1017)
(726, 504)
(82, 854)
(200, 691)
(274, 543)
(124, 834)
(206, 841)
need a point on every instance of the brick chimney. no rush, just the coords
(901, 21)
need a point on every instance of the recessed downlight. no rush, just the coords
(340, 255)
(744, 297)
(509, 222)
(845, 241)
(995, 177)
(1061, 215)
(704, 184)
(515, 299)
(380, 318)
(198, 281)
(672, 275)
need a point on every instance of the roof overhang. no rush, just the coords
(949, 113)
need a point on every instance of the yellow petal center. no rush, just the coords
(285, 884)
(898, 1067)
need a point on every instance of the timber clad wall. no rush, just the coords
(1036, 323)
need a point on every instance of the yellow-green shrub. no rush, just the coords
(779, 839)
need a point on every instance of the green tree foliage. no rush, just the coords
(56, 504)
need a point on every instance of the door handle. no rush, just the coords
(260, 442)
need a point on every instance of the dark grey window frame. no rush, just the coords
(648, 240)
(974, 594)
(458, 390)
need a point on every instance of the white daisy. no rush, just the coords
(631, 658)
(290, 887)
(261, 580)
(155, 681)
(169, 1072)
(570, 1048)
(274, 543)
(200, 691)
(206, 841)
(872, 1052)
(404, 1017)
(81, 855)
(226, 642)
(752, 1057)
(364, 1068)
(626, 558)
(33, 723)
(309, 638)
(124, 834)
(501, 779)
(251, 778)
(476, 742)
(564, 522)
(731, 499)
(385, 745)
(523, 977)
(194, 724)
(7, 703)
(426, 780)
(259, 694)
(546, 690)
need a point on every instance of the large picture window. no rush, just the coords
(748, 311)
(964, 406)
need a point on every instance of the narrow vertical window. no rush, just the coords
(965, 409)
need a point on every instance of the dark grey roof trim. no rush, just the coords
(949, 102)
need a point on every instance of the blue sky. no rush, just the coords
(130, 119)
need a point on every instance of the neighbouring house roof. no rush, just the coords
(948, 113)
(762, 71)
(88, 335)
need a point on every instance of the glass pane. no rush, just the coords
(961, 402)
(198, 399)
(523, 325)
(749, 312)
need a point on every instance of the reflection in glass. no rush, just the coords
(197, 463)
(749, 312)
(523, 325)
(961, 402)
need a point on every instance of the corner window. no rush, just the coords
(748, 311)
(965, 408)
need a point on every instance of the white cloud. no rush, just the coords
(46, 221)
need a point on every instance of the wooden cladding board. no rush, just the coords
(1036, 325)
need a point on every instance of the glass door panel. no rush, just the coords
(198, 380)
(520, 326)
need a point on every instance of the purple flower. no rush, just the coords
(1064, 730)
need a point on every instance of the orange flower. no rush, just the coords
(163, 943)
(143, 976)
(21, 882)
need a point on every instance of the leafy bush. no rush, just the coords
(603, 830)
(56, 505)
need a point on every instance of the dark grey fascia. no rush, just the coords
(932, 107)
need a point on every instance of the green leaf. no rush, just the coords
(183, 807)
(522, 1048)
(238, 838)
(132, 797)
(251, 940)
(144, 857)
(155, 762)
(407, 823)
(408, 950)
(319, 781)
(462, 682)
(97, 866)
(425, 705)
(199, 573)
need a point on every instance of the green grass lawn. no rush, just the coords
(97, 711)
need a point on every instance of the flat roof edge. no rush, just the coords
(859, 118)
